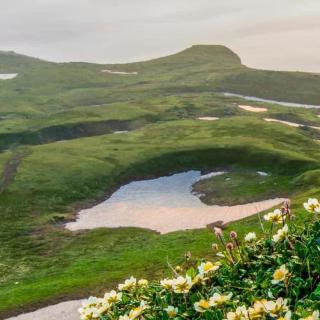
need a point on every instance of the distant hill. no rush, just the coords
(11, 62)
(49, 96)
(198, 68)
(212, 56)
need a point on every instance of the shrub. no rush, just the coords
(275, 277)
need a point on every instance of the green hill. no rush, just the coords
(58, 153)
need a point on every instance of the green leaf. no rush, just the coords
(191, 272)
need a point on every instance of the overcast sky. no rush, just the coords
(274, 34)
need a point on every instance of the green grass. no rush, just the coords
(240, 187)
(245, 272)
(50, 262)
(53, 102)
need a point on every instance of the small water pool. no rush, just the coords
(164, 204)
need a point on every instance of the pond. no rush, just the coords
(164, 204)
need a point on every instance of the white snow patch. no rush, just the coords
(210, 175)
(8, 76)
(208, 118)
(253, 109)
(119, 72)
(263, 174)
(291, 124)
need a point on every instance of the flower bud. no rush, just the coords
(233, 235)
(187, 255)
(287, 204)
(215, 247)
(229, 246)
(178, 269)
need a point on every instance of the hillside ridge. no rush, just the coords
(195, 50)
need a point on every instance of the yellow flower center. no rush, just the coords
(279, 275)
(183, 286)
(171, 314)
(221, 300)
(204, 304)
(312, 208)
(135, 312)
(208, 266)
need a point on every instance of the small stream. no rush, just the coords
(282, 103)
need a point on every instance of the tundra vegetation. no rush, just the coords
(59, 154)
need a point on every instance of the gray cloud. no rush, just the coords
(277, 34)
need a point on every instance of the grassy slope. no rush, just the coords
(282, 86)
(240, 187)
(47, 92)
(50, 263)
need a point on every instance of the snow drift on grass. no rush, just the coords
(253, 109)
(8, 76)
(119, 72)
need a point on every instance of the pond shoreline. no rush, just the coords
(165, 205)
(121, 180)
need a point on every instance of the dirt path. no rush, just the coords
(11, 167)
